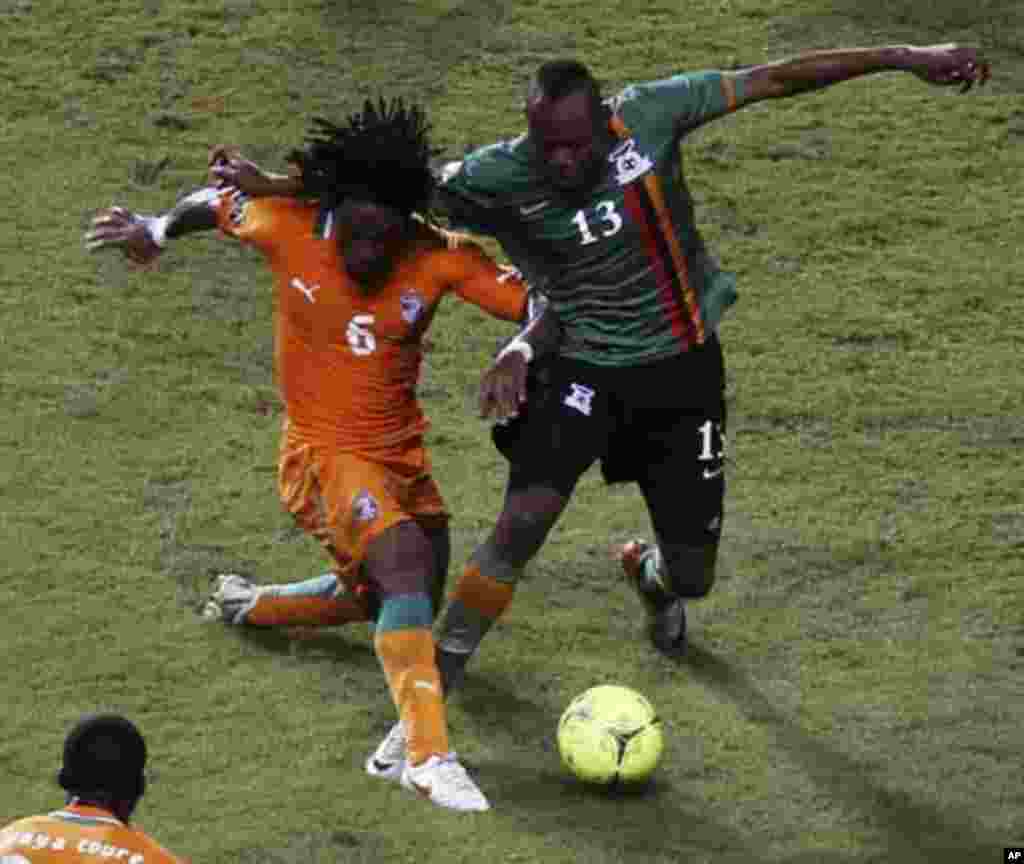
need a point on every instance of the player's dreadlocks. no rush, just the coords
(380, 154)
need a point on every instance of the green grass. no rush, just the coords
(854, 690)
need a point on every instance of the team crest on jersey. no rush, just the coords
(412, 304)
(580, 398)
(365, 507)
(629, 162)
(239, 204)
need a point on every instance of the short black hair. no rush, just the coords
(381, 153)
(558, 78)
(104, 759)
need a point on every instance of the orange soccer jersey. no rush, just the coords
(347, 363)
(79, 834)
(352, 461)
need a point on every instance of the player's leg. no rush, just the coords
(681, 567)
(683, 485)
(435, 527)
(400, 563)
(559, 434)
(485, 589)
(326, 600)
(322, 601)
(388, 760)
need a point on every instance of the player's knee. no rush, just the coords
(524, 524)
(690, 569)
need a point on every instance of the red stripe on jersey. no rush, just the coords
(652, 185)
(639, 210)
(646, 204)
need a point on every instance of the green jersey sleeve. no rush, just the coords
(674, 106)
(478, 193)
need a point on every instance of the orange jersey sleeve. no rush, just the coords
(79, 834)
(252, 220)
(474, 276)
(347, 358)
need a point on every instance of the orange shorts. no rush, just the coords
(345, 500)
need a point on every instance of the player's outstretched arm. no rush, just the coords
(228, 167)
(944, 65)
(142, 238)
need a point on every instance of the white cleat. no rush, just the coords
(388, 760)
(444, 781)
(232, 599)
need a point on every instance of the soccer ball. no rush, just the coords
(610, 734)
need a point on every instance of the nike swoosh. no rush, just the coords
(533, 208)
(710, 475)
(423, 790)
(425, 685)
(382, 766)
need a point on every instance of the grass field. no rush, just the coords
(854, 691)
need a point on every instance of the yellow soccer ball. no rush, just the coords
(610, 734)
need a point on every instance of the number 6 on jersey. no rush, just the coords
(360, 338)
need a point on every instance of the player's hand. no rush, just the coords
(117, 228)
(950, 65)
(503, 387)
(227, 167)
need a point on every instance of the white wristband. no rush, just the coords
(157, 228)
(524, 348)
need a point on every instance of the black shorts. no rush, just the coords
(661, 425)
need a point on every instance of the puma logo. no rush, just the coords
(307, 290)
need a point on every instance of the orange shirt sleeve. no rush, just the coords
(250, 220)
(476, 278)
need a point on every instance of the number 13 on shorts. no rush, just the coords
(711, 448)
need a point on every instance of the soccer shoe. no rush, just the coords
(231, 600)
(666, 613)
(388, 760)
(444, 781)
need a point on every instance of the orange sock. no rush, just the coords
(323, 601)
(271, 611)
(488, 597)
(407, 656)
(477, 601)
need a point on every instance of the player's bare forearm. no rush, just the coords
(227, 167)
(191, 214)
(819, 69)
(936, 64)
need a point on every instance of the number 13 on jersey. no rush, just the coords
(607, 223)
(711, 448)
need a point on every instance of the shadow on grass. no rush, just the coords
(331, 643)
(521, 770)
(654, 824)
(914, 831)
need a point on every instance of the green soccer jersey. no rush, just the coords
(627, 272)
